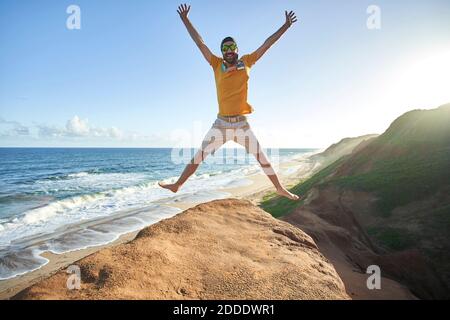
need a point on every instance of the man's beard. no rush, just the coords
(231, 60)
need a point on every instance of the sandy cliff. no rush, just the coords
(224, 249)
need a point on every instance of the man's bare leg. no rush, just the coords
(268, 170)
(214, 140)
(187, 172)
(252, 145)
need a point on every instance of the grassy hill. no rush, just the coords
(406, 170)
(342, 148)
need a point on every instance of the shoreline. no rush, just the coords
(254, 192)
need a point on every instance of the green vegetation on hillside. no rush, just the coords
(409, 162)
(278, 206)
(392, 238)
(401, 180)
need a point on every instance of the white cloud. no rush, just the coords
(77, 127)
(45, 131)
(12, 128)
(77, 132)
(80, 128)
(115, 133)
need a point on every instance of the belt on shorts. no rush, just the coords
(232, 119)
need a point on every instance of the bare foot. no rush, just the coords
(287, 194)
(172, 187)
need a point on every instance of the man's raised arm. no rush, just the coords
(183, 11)
(290, 19)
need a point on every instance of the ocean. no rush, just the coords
(66, 199)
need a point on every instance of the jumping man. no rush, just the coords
(231, 75)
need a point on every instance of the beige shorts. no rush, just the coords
(240, 132)
(223, 131)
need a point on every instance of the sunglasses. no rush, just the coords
(232, 46)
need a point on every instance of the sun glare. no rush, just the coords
(424, 82)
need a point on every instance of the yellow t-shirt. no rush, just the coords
(232, 86)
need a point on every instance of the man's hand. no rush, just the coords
(290, 18)
(183, 11)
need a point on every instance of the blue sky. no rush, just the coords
(132, 76)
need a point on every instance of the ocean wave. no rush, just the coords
(199, 196)
(107, 202)
(84, 182)
(16, 263)
(78, 174)
(58, 213)
(13, 198)
(65, 176)
(83, 202)
(24, 257)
